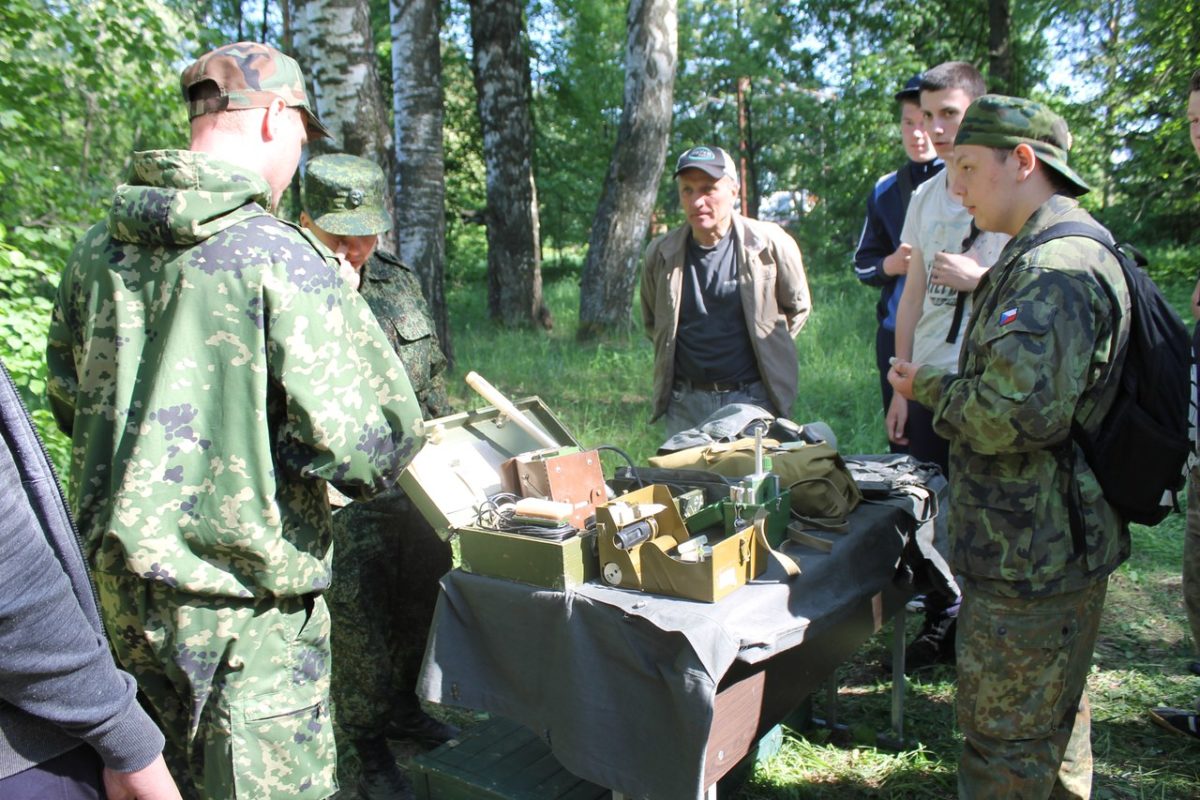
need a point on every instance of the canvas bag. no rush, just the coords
(822, 493)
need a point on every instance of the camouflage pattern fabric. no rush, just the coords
(996, 120)
(240, 688)
(387, 559)
(1039, 350)
(1022, 701)
(343, 195)
(247, 75)
(1191, 558)
(393, 293)
(213, 372)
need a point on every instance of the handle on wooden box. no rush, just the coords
(505, 406)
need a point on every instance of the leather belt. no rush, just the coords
(713, 386)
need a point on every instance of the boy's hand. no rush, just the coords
(897, 262)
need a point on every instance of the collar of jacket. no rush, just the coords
(749, 239)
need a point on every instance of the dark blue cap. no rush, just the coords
(911, 90)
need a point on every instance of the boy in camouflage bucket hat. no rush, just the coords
(1039, 354)
(387, 558)
(246, 75)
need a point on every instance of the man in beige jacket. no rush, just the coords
(722, 299)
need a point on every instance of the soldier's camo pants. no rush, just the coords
(1022, 700)
(240, 688)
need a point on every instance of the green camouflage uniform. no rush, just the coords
(1039, 351)
(214, 371)
(388, 559)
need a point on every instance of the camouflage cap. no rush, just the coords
(995, 120)
(344, 195)
(247, 75)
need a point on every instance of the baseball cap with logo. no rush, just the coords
(246, 75)
(344, 195)
(713, 160)
(996, 120)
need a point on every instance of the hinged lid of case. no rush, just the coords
(459, 466)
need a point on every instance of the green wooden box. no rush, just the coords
(459, 468)
(497, 760)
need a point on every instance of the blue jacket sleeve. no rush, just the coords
(876, 242)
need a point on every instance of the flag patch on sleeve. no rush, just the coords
(1008, 316)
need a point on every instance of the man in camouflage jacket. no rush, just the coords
(1041, 350)
(387, 558)
(214, 372)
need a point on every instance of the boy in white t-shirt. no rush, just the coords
(947, 259)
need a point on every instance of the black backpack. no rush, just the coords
(1140, 448)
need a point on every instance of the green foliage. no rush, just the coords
(1132, 62)
(26, 299)
(84, 83)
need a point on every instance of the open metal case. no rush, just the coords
(460, 467)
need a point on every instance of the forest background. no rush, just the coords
(526, 144)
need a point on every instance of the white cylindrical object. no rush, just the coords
(505, 406)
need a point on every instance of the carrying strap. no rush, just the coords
(960, 301)
(760, 534)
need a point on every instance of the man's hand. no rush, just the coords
(897, 262)
(152, 782)
(901, 375)
(959, 271)
(896, 420)
(349, 274)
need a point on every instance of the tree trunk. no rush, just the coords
(332, 39)
(619, 228)
(420, 184)
(501, 66)
(1000, 56)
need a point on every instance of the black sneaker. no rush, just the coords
(381, 776)
(1177, 720)
(419, 726)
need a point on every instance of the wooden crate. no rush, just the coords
(497, 760)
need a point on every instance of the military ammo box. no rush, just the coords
(460, 467)
(640, 536)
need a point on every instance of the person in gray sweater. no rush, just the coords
(70, 723)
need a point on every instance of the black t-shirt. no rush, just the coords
(713, 344)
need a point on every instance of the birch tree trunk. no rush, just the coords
(420, 185)
(501, 66)
(332, 40)
(619, 228)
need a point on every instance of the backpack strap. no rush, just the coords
(1065, 452)
(960, 301)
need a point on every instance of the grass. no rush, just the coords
(601, 392)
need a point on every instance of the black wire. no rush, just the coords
(632, 469)
(496, 513)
